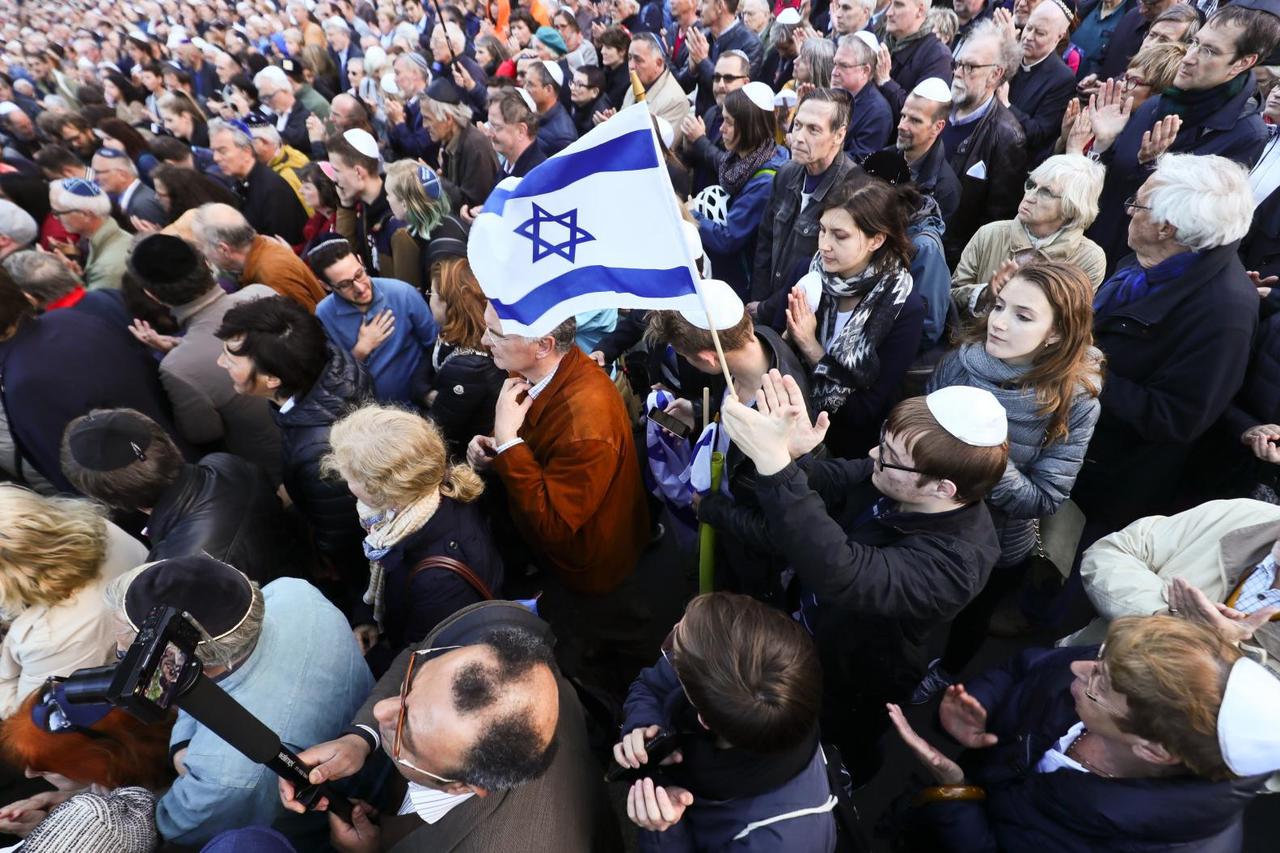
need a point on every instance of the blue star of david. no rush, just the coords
(543, 247)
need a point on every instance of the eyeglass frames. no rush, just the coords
(1040, 190)
(415, 660)
(881, 464)
(1131, 204)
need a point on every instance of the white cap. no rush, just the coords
(389, 83)
(724, 304)
(760, 94)
(177, 35)
(933, 89)
(972, 415)
(363, 141)
(869, 39)
(788, 17)
(7, 107)
(554, 69)
(527, 98)
(1247, 731)
(666, 132)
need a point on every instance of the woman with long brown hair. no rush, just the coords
(1034, 351)
(458, 386)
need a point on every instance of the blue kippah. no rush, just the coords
(430, 182)
(81, 187)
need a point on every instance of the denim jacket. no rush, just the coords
(304, 680)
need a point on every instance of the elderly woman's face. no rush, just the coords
(1099, 705)
(1041, 206)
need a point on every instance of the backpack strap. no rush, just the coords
(459, 568)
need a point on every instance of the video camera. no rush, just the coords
(161, 671)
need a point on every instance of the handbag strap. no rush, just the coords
(459, 568)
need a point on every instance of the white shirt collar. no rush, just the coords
(128, 194)
(429, 804)
(1026, 67)
(288, 404)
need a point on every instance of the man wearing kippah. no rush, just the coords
(885, 549)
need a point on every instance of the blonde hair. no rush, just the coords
(397, 457)
(49, 547)
(422, 212)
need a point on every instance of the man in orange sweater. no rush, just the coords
(563, 448)
(228, 240)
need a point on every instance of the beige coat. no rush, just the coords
(997, 242)
(75, 633)
(666, 100)
(1211, 546)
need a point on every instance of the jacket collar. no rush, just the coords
(472, 625)
(836, 172)
(185, 312)
(1243, 548)
(959, 520)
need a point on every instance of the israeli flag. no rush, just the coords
(596, 226)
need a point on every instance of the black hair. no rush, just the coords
(327, 250)
(281, 339)
(1260, 31)
(325, 188)
(14, 306)
(594, 75)
(188, 189)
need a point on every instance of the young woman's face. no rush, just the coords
(520, 31)
(1020, 324)
(439, 310)
(398, 210)
(611, 57)
(309, 195)
(729, 132)
(482, 55)
(843, 246)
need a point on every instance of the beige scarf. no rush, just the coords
(383, 531)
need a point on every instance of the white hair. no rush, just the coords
(97, 205)
(439, 110)
(238, 136)
(869, 5)
(267, 132)
(1078, 182)
(862, 51)
(272, 75)
(333, 22)
(1205, 198)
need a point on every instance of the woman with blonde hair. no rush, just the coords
(56, 555)
(1034, 352)
(428, 542)
(418, 199)
(459, 385)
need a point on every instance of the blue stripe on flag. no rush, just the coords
(648, 284)
(626, 153)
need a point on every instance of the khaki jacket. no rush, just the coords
(667, 100)
(1212, 546)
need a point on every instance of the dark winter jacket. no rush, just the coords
(731, 246)
(779, 801)
(1233, 130)
(1125, 42)
(871, 123)
(737, 37)
(227, 508)
(467, 384)
(991, 165)
(918, 60)
(326, 503)
(556, 130)
(1259, 400)
(1029, 708)
(1260, 249)
(64, 364)
(934, 176)
(788, 236)
(416, 603)
(1175, 359)
(882, 584)
(1038, 98)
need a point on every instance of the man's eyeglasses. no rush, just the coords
(727, 78)
(349, 283)
(415, 660)
(849, 66)
(882, 464)
(1131, 204)
(1039, 190)
(967, 68)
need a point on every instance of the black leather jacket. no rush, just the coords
(999, 143)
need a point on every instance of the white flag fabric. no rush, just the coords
(595, 226)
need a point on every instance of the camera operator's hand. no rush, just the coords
(334, 759)
(360, 836)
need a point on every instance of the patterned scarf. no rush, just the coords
(852, 361)
(383, 530)
(736, 170)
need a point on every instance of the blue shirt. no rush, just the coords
(393, 364)
(305, 680)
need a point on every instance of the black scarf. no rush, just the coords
(736, 170)
(1195, 105)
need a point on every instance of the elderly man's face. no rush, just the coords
(645, 61)
(1146, 236)
(903, 17)
(976, 73)
(409, 78)
(755, 14)
(21, 126)
(231, 158)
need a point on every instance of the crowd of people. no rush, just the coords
(986, 346)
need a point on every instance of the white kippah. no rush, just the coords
(869, 39)
(725, 307)
(760, 94)
(788, 17)
(1247, 730)
(363, 141)
(7, 107)
(527, 98)
(933, 89)
(554, 69)
(389, 83)
(665, 131)
(972, 415)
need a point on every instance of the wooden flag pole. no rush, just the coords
(715, 337)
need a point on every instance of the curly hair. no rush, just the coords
(49, 547)
(396, 457)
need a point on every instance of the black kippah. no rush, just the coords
(109, 441)
(163, 258)
(887, 165)
(215, 593)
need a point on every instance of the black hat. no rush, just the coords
(256, 119)
(444, 90)
(163, 258)
(106, 441)
(889, 164)
(448, 240)
(217, 595)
